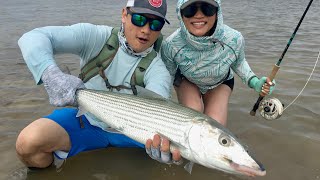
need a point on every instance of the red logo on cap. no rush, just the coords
(155, 3)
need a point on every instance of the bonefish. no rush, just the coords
(198, 137)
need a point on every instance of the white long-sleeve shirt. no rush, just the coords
(39, 46)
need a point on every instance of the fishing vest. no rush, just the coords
(98, 64)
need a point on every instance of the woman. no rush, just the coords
(202, 57)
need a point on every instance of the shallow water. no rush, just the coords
(288, 147)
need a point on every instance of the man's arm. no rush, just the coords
(39, 46)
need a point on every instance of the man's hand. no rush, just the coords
(263, 86)
(61, 87)
(159, 149)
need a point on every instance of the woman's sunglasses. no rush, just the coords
(140, 21)
(192, 9)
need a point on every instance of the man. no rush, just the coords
(62, 134)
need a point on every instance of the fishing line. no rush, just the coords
(314, 67)
(272, 108)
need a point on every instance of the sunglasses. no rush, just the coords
(192, 9)
(141, 20)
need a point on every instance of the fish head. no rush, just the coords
(214, 146)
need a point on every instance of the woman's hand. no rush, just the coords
(263, 86)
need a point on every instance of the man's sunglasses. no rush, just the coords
(141, 20)
(192, 9)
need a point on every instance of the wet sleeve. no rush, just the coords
(241, 66)
(167, 56)
(157, 78)
(39, 46)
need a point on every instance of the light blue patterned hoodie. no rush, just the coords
(206, 61)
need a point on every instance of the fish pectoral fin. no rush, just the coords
(163, 136)
(112, 130)
(188, 167)
(81, 111)
(172, 143)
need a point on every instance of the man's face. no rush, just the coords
(139, 38)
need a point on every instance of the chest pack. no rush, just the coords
(98, 64)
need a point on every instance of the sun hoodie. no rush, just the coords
(209, 60)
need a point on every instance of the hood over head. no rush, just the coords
(203, 42)
(213, 2)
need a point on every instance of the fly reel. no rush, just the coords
(271, 108)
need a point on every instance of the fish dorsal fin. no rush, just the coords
(145, 93)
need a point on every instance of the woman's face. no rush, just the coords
(199, 24)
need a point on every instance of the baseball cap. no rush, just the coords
(154, 7)
(212, 2)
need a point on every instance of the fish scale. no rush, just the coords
(133, 116)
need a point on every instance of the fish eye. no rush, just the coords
(224, 140)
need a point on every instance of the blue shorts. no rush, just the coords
(84, 136)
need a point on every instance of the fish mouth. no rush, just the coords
(248, 171)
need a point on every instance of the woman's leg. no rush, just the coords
(216, 103)
(189, 95)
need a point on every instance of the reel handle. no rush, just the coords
(261, 96)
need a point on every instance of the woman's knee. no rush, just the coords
(189, 95)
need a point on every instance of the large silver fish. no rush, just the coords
(199, 138)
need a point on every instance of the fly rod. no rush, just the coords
(276, 67)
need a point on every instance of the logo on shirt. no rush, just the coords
(155, 3)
